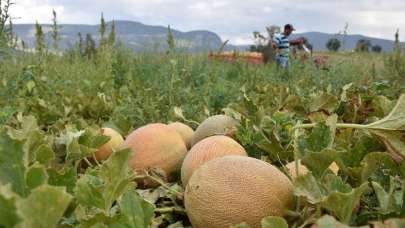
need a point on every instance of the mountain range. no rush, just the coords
(141, 37)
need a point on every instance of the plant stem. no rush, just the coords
(339, 125)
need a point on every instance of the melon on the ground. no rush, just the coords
(208, 149)
(112, 145)
(234, 189)
(292, 171)
(156, 146)
(215, 125)
(185, 132)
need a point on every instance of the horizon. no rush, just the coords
(109, 21)
(233, 20)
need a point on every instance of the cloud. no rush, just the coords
(234, 19)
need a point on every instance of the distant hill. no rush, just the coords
(319, 40)
(135, 35)
(141, 37)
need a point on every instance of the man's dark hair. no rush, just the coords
(289, 27)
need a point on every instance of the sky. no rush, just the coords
(231, 19)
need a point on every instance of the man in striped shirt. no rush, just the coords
(281, 44)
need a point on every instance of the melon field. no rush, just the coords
(181, 140)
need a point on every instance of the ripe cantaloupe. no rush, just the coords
(234, 189)
(215, 125)
(156, 146)
(302, 169)
(113, 144)
(185, 132)
(208, 149)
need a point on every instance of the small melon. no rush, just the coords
(234, 189)
(302, 169)
(113, 144)
(215, 125)
(208, 149)
(185, 132)
(156, 146)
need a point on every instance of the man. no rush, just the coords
(282, 46)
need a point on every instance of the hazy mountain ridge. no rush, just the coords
(141, 37)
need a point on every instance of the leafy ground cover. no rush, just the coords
(51, 107)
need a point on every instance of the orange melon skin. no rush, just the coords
(234, 189)
(185, 132)
(215, 125)
(156, 146)
(112, 145)
(206, 150)
(302, 169)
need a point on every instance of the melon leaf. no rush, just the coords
(36, 175)
(391, 129)
(135, 211)
(392, 200)
(8, 211)
(343, 204)
(13, 163)
(328, 221)
(271, 221)
(44, 200)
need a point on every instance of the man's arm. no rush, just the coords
(297, 42)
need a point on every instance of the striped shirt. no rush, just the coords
(283, 45)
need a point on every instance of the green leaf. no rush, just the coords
(319, 139)
(392, 200)
(64, 177)
(101, 187)
(391, 129)
(324, 101)
(36, 176)
(28, 125)
(89, 191)
(44, 207)
(377, 162)
(328, 221)
(8, 211)
(116, 175)
(77, 152)
(44, 154)
(13, 163)
(271, 222)
(135, 212)
(319, 162)
(343, 204)
(307, 186)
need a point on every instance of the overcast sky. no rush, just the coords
(231, 19)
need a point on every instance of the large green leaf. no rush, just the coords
(63, 177)
(8, 211)
(13, 163)
(307, 186)
(271, 221)
(318, 140)
(36, 176)
(135, 211)
(44, 207)
(328, 221)
(101, 187)
(391, 129)
(343, 204)
(391, 201)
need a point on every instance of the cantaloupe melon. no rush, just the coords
(234, 189)
(292, 171)
(185, 132)
(156, 146)
(113, 144)
(215, 125)
(208, 149)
